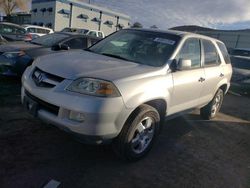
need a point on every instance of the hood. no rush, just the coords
(80, 63)
(16, 46)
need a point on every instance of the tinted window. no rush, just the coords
(9, 29)
(142, 47)
(50, 39)
(31, 30)
(19, 30)
(77, 43)
(191, 50)
(84, 31)
(100, 34)
(47, 31)
(211, 56)
(6, 29)
(42, 31)
(92, 33)
(224, 52)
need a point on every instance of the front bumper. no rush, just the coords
(103, 117)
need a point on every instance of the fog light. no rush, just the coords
(76, 116)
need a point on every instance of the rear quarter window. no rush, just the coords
(211, 56)
(224, 52)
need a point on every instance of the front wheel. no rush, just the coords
(212, 108)
(138, 134)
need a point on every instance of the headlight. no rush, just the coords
(94, 87)
(11, 55)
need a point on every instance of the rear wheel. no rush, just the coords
(212, 108)
(138, 134)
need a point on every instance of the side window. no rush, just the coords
(92, 33)
(7, 29)
(77, 43)
(47, 31)
(40, 31)
(224, 52)
(211, 56)
(191, 50)
(19, 31)
(100, 34)
(31, 30)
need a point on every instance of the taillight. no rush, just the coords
(28, 37)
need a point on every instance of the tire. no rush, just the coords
(138, 134)
(212, 108)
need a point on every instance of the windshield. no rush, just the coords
(142, 47)
(49, 40)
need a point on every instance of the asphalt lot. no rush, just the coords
(190, 152)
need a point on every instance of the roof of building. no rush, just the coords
(86, 5)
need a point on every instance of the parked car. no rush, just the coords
(2, 40)
(94, 33)
(37, 31)
(122, 88)
(88, 32)
(240, 58)
(13, 32)
(16, 56)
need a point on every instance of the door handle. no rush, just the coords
(201, 79)
(221, 75)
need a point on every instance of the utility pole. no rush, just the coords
(89, 1)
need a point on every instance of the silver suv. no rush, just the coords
(122, 88)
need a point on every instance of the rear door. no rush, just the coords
(213, 68)
(188, 84)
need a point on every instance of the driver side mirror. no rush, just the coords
(184, 64)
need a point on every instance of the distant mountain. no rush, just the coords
(193, 28)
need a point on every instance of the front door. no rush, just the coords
(188, 84)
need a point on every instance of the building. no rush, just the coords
(58, 14)
(18, 18)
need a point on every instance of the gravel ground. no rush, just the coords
(190, 152)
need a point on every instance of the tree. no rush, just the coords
(137, 25)
(9, 6)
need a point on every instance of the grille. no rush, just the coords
(44, 79)
(44, 105)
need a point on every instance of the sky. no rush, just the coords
(218, 14)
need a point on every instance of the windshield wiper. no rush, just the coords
(115, 56)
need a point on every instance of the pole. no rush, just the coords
(70, 16)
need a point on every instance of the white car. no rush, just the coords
(37, 31)
(93, 33)
(121, 89)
